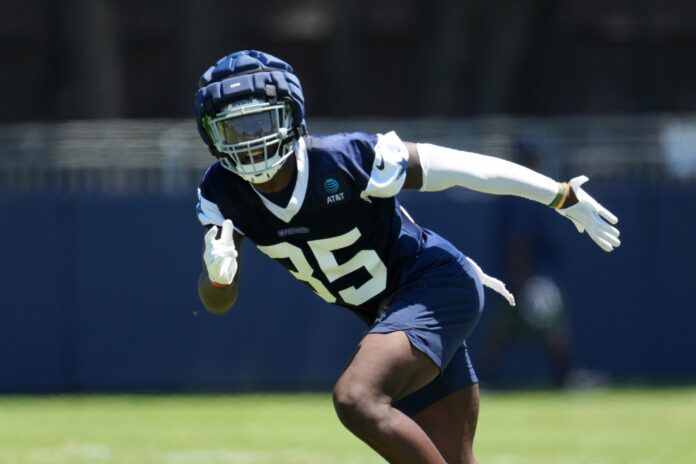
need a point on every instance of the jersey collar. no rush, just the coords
(298, 194)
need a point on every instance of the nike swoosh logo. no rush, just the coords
(403, 165)
(380, 164)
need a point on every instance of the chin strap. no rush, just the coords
(492, 283)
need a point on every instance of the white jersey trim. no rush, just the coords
(298, 195)
(388, 168)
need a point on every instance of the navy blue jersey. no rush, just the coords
(342, 232)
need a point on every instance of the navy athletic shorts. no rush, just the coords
(437, 312)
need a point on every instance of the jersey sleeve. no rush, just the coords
(388, 171)
(207, 209)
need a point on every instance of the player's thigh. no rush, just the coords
(451, 424)
(386, 364)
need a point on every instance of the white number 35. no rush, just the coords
(322, 250)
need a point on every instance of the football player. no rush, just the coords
(325, 208)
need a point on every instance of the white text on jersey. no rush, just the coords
(335, 198)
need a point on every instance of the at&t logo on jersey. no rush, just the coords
(332, 187)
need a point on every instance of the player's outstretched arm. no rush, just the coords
(442, 168)
(218, 282)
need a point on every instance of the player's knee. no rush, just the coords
(351, 401)
(358, 407)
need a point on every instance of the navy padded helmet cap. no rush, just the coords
(247, 74)
(245, 61)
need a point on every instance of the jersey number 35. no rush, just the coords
(322, 250)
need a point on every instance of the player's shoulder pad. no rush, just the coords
(217, 192)
(352, 150)
(388, 170)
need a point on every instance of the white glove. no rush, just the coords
(590, 216)
(491, 282)
(220, 255)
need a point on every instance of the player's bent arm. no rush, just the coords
(218, 299)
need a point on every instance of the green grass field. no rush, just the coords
(617, 426)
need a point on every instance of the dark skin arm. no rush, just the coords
(414, 174)
(219, 300)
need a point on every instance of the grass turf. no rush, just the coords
(616, 426)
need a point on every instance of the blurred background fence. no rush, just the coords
(100, 251)
(126, 157)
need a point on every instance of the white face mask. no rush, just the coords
(262, 171)
(253, 137)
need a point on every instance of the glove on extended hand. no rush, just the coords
(220, 255)
(591, 217)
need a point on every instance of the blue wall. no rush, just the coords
(100, 294)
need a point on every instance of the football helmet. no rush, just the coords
(249, 110)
